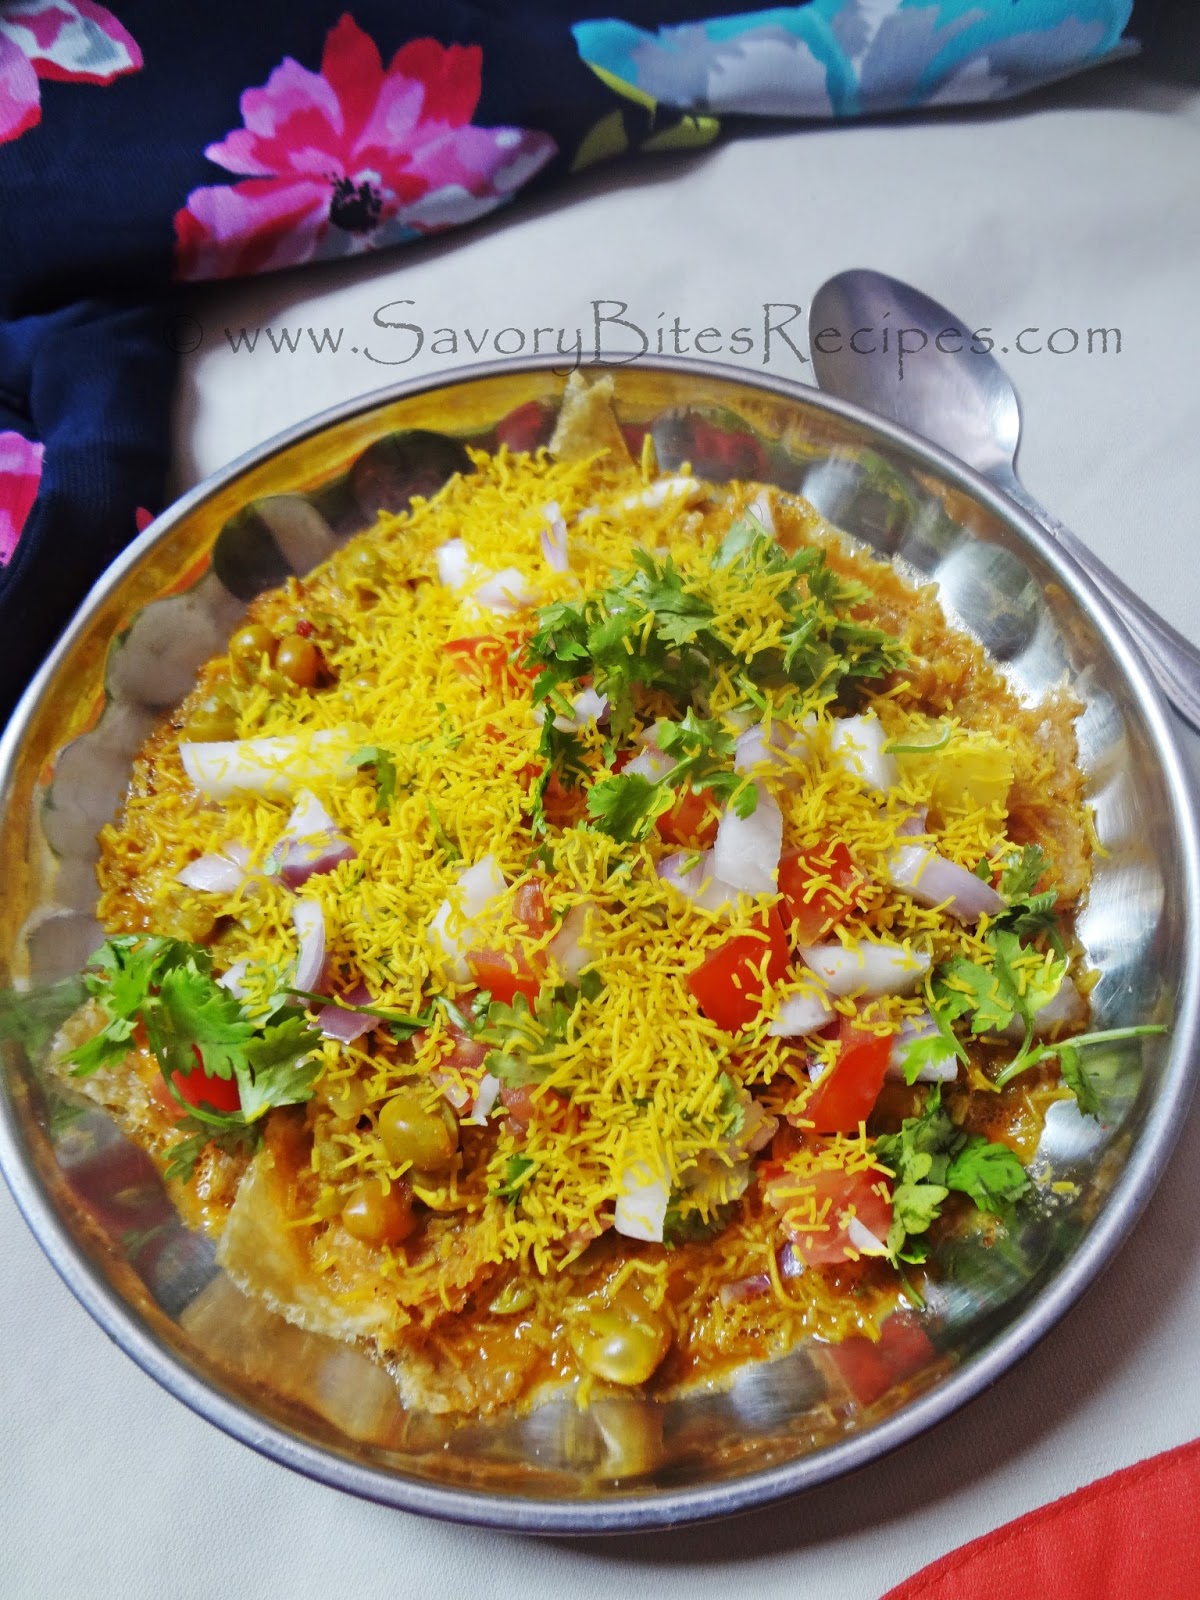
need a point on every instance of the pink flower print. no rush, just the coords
(353, 158)
(73, 41)
(20, 474)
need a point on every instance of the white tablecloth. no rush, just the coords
(1078, 210)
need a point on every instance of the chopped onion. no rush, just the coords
(310, 843)
(863, 1240)
(273, 765)
(450, 930)
(554, 539)
(932, 880)
(485, 1098)
(747, 849)
(215, 874)
(760, 507)
(309, 919)
(336, 1022)
(641, 1207)
(233, 979)
(857, 744)
(507, 591)
(685, 491)
(649, 763)
(791, 1262)
(452, 1089)
(570, 946)
(1065, 1007)
(944, 1069)
(455, 567)
(870, 969)
(800, 1014)
(698, 881)
(781, 750)
(741, 1289)
(587, 706)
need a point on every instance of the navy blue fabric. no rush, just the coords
(93, 382)
(87, 243)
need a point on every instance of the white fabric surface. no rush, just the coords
(1077, 209)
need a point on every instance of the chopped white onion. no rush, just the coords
(570, 946)
(641, 1207)
(760, 507)
(800, 1014)
(214, 874)
(273, 765)
(451, 1089)
(649, 763)
(554, 539)
(233, 980)
(308, 817)
(450, 929)
(747, 849)
(455, 567)
(1065, 1008)
(485, 1098)
(863, 1240)
(871, 969)
(942, 1069)
(587, 706)
(780, 750)
(857, 744)
(696, 880)
(507, 592)
(932, 880)
(309, 919)
(684, 491)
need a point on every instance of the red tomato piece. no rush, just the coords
(810, 881)
(692, 820)
(524, 1107)
(524, 429)
(200, 1088)
(507, 974)
(846, 1095)
(466, 1053)
(488, 658)
(869, 1368)
(727, 985)
(833, 1197)
(529, 907)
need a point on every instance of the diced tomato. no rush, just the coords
(466, 1054)
(524, 1107)
(525, 428)
(529, 907)
(692, 820)
(835, 1197)
(507, 974)
(846, 1095)
(869, 1368)
(727, 985)
(810, 881)
(488, 658)
(200, 1088)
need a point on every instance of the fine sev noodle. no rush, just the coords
(641, 1070)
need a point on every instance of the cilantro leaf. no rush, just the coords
(1020, 876)
(990, 1173)
(280, 1066)
(383, 764)
(193, 1011)
(627, 805)
(518, 1170)
(1076, 1078)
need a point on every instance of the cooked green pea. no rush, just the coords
(410, 1133)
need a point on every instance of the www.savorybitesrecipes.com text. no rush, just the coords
(774, 336)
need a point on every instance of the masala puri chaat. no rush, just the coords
(597, 929)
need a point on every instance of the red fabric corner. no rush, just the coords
(1136, 1532)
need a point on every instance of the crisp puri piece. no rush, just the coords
(596, 930)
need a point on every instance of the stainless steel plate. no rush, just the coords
(171, 601)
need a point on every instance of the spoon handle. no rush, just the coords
(1173, 660)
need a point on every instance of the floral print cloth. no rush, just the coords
(20, 474)
(73, 41)
(145, 146)
(353, 158)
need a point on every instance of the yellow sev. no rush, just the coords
(641, 1070)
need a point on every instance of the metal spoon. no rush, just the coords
(930, 380)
